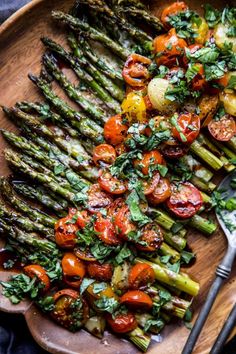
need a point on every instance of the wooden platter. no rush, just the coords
(20, 53)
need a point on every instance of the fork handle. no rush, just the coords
(222, 273)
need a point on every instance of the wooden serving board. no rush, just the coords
(20, 53)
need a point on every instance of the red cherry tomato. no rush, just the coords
(101, 272)
(193, 48)
(149, 159)
(223, 129)
(35, 270)
(135, 71)
(172, 10)
(97, 199)
(175, 151)
(123, 223)
(82, 218)
(106, 231)
(185, 200)
(84, 255)
(152, 238)
(73, 270)
(115, 130)
(150, 185)
(137, 300)
(111, 184)
(121, 149)
(122, 323)
(104, 154)
(198, 82)
(188, 128)
(141, 274)
(148, 103)
(65, 232)
(115, 207)
(160, 193)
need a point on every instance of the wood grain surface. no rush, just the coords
(20, 53)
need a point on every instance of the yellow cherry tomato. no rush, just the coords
(134, 107)
(201, 31)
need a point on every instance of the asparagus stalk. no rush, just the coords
(232, 144)
(167, 250)
(139, 338)
(228, 153)
(78, 25)
(213, 161)
(174, 240)
(204, 225)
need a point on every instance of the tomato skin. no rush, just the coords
(149, 159)
(101, 272)
(171, 10)
(148, 103)
(175, 151)
(121, 149)
(223, 129)
(135, 72)
(184, 121)
(161, 192)
(137, 300)
(68, 292)
(123, 223)
(152, 235)
(185, 200)
(73, 270)
(104, 154)
(198, 83)
(97, 199)
(170, 40)
(115, 207)
(84, 255)
(122, 323)
(35, 270)
(65, 233)
(193, 48)
(82, 218)
(141, 274)
(114, 130)
(150, 185)
(111, 184)
(106, 231)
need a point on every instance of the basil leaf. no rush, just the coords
(85, 284)
(107, 304)
(212, 16)
(232, 83)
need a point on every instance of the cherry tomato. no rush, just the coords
(149, 159)
(65, 233)
(106, 231)
(188, 128)
(223, 129)
(115, 207)
(121, 149)
(104, 154)
(193, 48)
(97, 199)
(185, 200)
(152, 237)
(123, 222)
(35, 270)
(73, 270)
(137, 300)
(198, 82)
(135, 71)
(150, 184)
(111, 184)
(172, 10)
(175, 151)
(85, 255)
(102, 272)
(122, 323)
(148, 103)
(115, 130)
(141, 274)
(82, 218)
(161, 192)
(168, 48)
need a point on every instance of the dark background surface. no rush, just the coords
(15, 337)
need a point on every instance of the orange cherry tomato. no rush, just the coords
(160, 193)
(193, 48)
(115, 130)
(171, 10)
(141, 274)
(122, 323)
(97, 199)
(168, 48)
(188, 128)
(104, 154)
(85, 255)
(121, 149)
(106, 231)
(66, 292)
(115, 207)
(35, 270)
(150, 185)
(137, 300)
(65, 233)
(223, 129)
(198, 82)
(185, 200)
(101, 272)
(149, 159)
(152, 237)
(73, 270)
(135, 71)
(123, 223)
(111, 184)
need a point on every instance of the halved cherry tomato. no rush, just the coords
(149, 159)
(35, 270)
(104, 154)
(82, 218)
(160, 193)
(66, 292)
(158, 122)
(135, 71)
(102, 272)
(106, 231)
(141, 274)
(97, 199)
(168, 48)
(85, 255)
(111, 184)
(188, 128)
(65, 232)
(185, 200)
(198, 82)
(115, 130)
(223, 129)
(152, 238)
(174, 151)
(121, 149)
(137, 300)
(115, 207)
(193, 48)
(122, 323)
(151, 184)
(123, 223)
(172, 10)
(73, 270)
